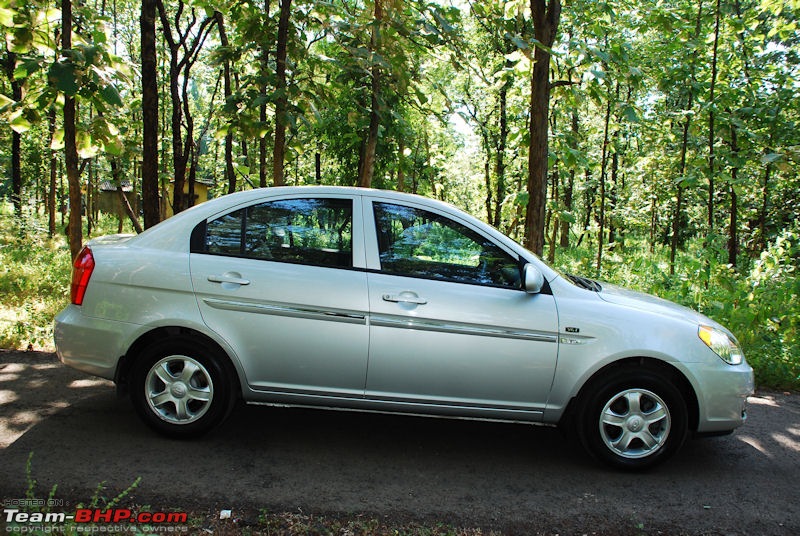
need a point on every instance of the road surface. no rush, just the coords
(511, 478)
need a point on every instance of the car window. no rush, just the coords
(417, 243)
(304, 231)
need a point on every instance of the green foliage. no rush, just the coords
(759, 304)
(34, 281)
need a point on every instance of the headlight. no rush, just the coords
(722, 345)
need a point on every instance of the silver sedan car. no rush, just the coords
(345, 298)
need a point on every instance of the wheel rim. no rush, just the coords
(179, 389)
(635, 423)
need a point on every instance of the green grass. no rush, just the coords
(35, 272)
(760, 303)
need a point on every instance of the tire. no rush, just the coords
(633, 418)
(181, 388)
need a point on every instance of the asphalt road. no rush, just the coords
(513, 478)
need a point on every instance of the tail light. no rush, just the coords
(81, 272)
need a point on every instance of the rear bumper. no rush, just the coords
(91, 345)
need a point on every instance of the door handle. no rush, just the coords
(405, 297)
(228, 279)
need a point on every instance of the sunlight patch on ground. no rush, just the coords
(761, 401)
(6, 397)
(787, 442)
(81, 384)
(756, 444)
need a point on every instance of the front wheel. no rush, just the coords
(180, 388)
(633, 419)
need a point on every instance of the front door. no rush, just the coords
(451, 327)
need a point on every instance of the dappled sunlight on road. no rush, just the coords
(755, 443)
(770, 442)
(33, 386)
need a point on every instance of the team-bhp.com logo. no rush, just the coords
(88, 519)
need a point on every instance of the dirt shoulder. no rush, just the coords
(508, 478)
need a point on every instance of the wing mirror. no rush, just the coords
(533, 278)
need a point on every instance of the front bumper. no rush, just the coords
(722, 395)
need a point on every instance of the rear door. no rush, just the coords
(282, 281)
(451, 327)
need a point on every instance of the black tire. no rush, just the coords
(181, 388)
(632, 418)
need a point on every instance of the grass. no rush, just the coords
(760, 302)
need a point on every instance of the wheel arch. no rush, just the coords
(126, 362)
(662, 367)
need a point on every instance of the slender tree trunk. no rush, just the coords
(150, 194)
(546, 15)
(733, 223)
(733, 220)
(551, 217)
(568, 191)
(281, 102)
(230, 175)
(712, 104)
(9, 66)
(51, 192)
(401, 162)
(588, 198)
(603, 164)
(500, 168)
(677, 218)
(123, 199)
(371, 145)
(761, 243)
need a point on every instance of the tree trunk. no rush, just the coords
(712, 103)
(370, 147)
(282, 101)
(603, 165)
(500, 168)
(401, 172)
(123, 199)
(150, 197)
(16, 139)
(230, 175)
(75, 228)
(51, 192)
(546, 16)
(568, 191)
(677, 218)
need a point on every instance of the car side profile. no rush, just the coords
(358, 299)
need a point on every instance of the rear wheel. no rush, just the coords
(181, 388)
(632, 419)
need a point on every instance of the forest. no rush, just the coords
(646, 143)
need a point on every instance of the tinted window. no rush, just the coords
(305, 231)
(419, 243)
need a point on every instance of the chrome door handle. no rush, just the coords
(227, 279)
(405, 297)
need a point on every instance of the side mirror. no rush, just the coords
(533, 278)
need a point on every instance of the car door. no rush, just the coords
(451, 329)
(276, 280)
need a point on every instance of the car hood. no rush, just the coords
(653, 304)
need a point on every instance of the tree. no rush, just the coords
(281, 100)
(150, 197)
(546, 16)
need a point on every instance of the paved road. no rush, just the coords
(509, 477)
